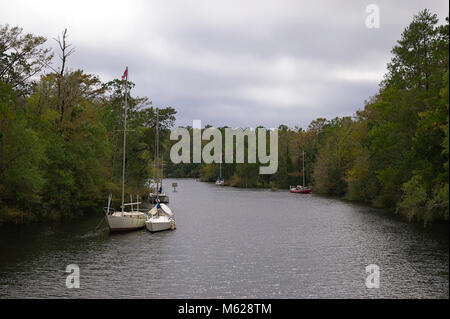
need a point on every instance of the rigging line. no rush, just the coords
(115, 143)
(101, 221)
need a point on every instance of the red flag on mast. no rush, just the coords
(125, 74)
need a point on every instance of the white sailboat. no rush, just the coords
(301, 189)
(160, 217)
(125, 220)
(220, 180)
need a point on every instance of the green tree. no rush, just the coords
(21, 57)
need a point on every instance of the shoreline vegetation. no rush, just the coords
(60, 138)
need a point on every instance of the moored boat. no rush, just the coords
(124, 220)
(160, 218)
(163, 198)
(220, 181)
(300, 189)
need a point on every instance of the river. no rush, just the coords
(232, 243)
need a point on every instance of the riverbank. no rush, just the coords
(17, 217)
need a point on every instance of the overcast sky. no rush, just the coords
(235, 63)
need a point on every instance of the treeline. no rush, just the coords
(391, 154)
(61, 133)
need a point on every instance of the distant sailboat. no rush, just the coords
(131, 219)
(301, 189)
(157, 187)
(220, 180)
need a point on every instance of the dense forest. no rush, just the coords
(392, 154)
(61, 135)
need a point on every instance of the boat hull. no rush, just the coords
(160, 219)
(154, 225)
(163, 198)
(300, 191)
(121, 223)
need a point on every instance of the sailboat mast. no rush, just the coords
(303, 170)
(124, 138)
(162, 169)
(157, 153)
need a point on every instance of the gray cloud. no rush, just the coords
(235, 63)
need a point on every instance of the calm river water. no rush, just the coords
(232, 243)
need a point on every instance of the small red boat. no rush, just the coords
(300, 189)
